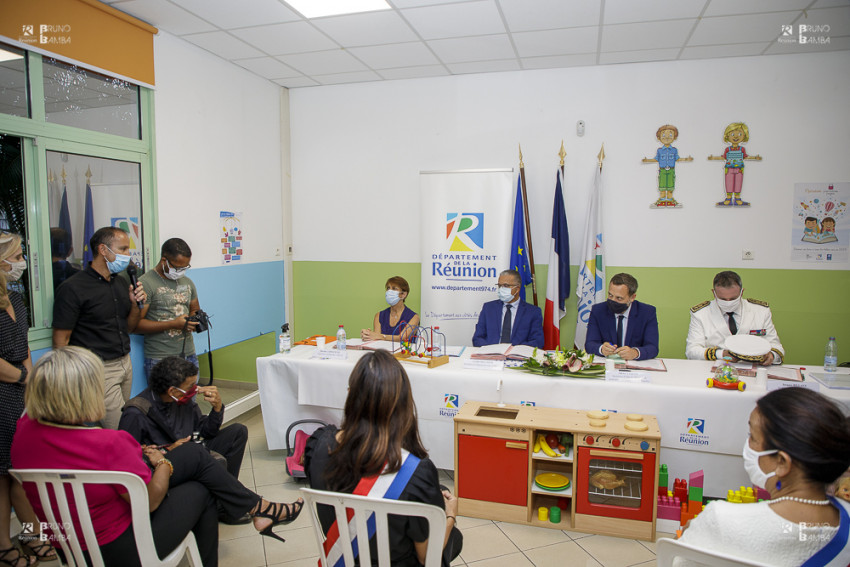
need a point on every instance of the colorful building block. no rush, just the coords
(697, 479)
(663, 480)
(680, 489)
(669, 508)
(695, 493)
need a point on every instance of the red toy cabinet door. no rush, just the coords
(493, 469)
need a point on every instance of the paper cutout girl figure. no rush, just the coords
(666, 157)
(736, 134)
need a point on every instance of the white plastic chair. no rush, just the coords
(667, 550)
(58, 479)
(363, 506)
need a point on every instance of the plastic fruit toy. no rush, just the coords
(552, 440)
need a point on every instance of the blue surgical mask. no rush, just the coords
(119, 264)
(505, 294)
(392, 296)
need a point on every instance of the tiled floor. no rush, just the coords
(486, 543)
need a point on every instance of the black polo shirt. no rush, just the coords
(95, 310)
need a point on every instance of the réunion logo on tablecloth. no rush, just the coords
(450, 406)
(694, 434)
(465, 232)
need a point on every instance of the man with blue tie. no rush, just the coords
(622, 325)
(509, 319)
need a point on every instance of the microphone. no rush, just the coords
(134, 281)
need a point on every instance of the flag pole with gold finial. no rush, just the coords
(562, 154)
(600, 157)
(527, 226)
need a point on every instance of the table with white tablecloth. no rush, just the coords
(701, 428)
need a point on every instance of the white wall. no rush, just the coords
(218, 148)
(357, 151)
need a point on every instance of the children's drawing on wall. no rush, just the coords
(230, 234)
(735, 155)
(821, 226)
(666, 157)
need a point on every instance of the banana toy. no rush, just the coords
(545, 446)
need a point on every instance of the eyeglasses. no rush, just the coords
(507, 285)
(183, 269)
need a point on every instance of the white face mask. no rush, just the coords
(173, 273)
(751, 464)
(505, 294)
(17, 270)
(728, 305)
(392, 296)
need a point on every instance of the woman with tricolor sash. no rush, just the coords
(799, 443)
(378, 447)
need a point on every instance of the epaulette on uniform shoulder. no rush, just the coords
(699, 306)
(758, 302)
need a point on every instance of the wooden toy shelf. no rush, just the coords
(496, 467)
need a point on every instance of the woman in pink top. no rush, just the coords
(65, 392)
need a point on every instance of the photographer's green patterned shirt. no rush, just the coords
(167, 299)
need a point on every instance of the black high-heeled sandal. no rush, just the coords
(272, 512)
(15, 560)
(42, 551)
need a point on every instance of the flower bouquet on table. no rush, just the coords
(575, 363)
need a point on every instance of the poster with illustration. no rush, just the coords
(821, 226)
(230, 234)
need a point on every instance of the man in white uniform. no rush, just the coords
(729, 314)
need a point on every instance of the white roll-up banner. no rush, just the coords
(466, 236)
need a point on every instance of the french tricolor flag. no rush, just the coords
(558, 277)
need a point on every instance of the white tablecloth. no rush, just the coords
(700, 427)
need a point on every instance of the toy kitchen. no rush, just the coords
(586, 471)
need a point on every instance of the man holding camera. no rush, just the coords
(167, 316)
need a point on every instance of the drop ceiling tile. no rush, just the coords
(835, 44)
(282, 39)
(414, 72)
(639, 56)
(523, 15)
(227, 14)
(629, 11)
(731, 7)
(727, 50)
(482, 48)
(559, 61)
(829, 3)
(414, 54)
(455, 20)
(401, 4)
(484, 67)
(740, 29)
(648, 35)
(268, 67)
(223, 44)
(341, 78)
(556, 42)
(296, 82)
(323, 62)
(371, 28)
(164, 15)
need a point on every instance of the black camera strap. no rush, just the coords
(186, 332)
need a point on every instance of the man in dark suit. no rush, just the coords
(509, 319)
(622, 325)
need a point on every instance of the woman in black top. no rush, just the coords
(15, 364)
(379, 421)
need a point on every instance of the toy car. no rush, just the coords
(735, 385)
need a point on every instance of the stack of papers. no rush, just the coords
(784, 373)
(654, 364)
(503, 351)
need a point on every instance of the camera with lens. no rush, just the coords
(202, 319)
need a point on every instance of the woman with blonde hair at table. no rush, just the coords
(396, 322)
(15, 367)
(380, 436)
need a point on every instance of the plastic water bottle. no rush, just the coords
(830, 357)
(340, 338)
(284, 341)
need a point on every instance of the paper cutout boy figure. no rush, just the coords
(666, 157)
(735, 134)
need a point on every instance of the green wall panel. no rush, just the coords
(808, 305)
(238, 362)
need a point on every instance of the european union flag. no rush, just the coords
(519, 258)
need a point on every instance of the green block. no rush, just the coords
(695, 494)
(663, 478)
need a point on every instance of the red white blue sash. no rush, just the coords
(388, 486)
(836, 553)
